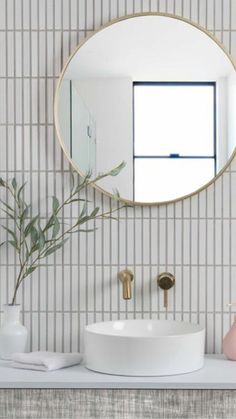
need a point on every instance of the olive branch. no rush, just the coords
(33, 241)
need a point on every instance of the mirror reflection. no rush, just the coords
(156, 92)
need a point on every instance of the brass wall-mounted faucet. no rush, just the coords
(126, 277)
(165, 281)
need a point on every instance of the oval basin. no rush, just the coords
(144, 347)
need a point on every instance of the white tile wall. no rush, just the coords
(195, 239)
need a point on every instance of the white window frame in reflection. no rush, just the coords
(144, 150)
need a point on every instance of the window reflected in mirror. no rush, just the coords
(174, 137)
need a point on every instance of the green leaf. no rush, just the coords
(11, 232)
(14, 244)
(2, 183)
(29, 271)
(72, 180)
(82, 220)
(77, 200)
(2, 244)
(29, 226)
(55, 248)
(20, 190)
(14, 184)
(116, 170)
(80, 230)
(84, 183)
(49, 224)
(24, 214)
(88, 230)
(88, 175)
(34, 248)
(108, 217)
(56, 228)
(94, 212)
(41, 238)
(9, 214)
(116, 195)
(34, 234)
(55, 204)
(84, 209)
(7, 206)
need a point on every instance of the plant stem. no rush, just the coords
(18, 281)
(32, 243)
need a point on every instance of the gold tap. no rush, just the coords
(165, 281)
(126, 277)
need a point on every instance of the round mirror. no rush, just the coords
(154, 91)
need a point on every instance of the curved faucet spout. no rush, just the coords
(126, 277)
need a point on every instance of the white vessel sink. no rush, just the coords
(144, 347)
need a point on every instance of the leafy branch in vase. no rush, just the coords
(33, 241)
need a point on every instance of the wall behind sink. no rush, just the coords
(195, 239)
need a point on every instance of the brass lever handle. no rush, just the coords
(166, 281)
(126, 277)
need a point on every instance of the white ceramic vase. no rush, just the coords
(13, 335)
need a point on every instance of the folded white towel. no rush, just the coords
(45, 361)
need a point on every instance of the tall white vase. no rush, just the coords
(13, 335)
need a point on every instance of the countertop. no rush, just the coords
(217, 373)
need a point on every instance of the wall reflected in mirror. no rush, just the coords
(156, 92)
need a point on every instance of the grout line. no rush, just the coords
(150, 260)
(43, 217)
(214, 18)
(174, 257)
(142, 263)
(222, 21)
(198, 261)
(118, 263)
(230, 26)
(7, 148)
(102, 261)
(158, 256)
(214, 267)
(171, 265)
(88, 29)
(206, 270)
(86, 236)
(70, 240)
(135, 262)
(78, 237)
(222, 257)
(126, 252)
(214, 232)
(30, 152)
(63, 212)
(14, 111)
(95, 260)
(123, 312)
(110, 259)
(166, 257)
(46, 163)
(55, 190)
(39, 177)
(182, 260)
(230, 191)
(190, 261)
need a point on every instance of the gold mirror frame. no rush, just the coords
(56, 120)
